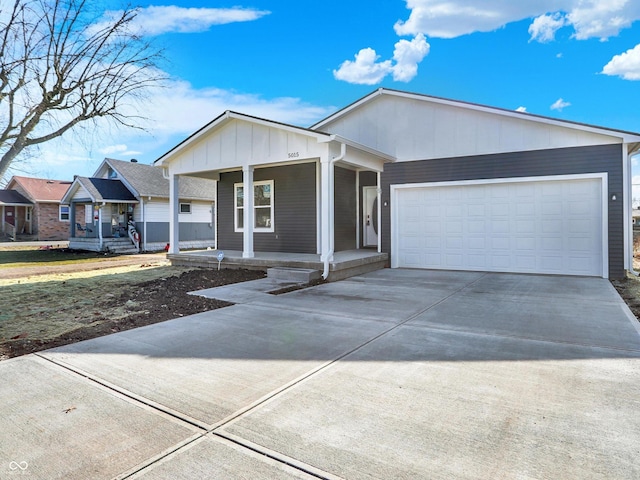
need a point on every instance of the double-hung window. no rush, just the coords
(63, 213)
(262, 206)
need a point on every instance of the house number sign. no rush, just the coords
(294, 154)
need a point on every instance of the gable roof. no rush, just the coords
(41, 190)
(149, 181)
(106, 190)
(230, 115)
(628, 137)
(11, 197)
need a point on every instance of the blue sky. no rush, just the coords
(299, 61)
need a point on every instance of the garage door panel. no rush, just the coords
(548, 226)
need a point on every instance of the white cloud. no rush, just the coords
(118, 150)
(521, 109)
(453, 18)
(559, 105)
(543, 29)
(156, 20)
(366, 69)
(173, 113)
(625, 65)
(407, 55)
(180, 108)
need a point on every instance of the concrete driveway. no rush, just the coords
(393, 374)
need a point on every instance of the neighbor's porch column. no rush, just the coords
(174, 210)
(247, 212)
(72, 218)
(326, 208)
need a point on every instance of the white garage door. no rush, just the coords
(542, 226)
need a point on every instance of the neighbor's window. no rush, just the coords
(185, 208)
(262, 206)
(64, 213)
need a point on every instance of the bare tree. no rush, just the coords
(62, 64)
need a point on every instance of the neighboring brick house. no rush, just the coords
(47, 219)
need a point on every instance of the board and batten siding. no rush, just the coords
(415, 127)
(239, 142)
(294, 195)
(563, 161)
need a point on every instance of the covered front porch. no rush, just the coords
(344, 264)
(17, 213)
(315, 201)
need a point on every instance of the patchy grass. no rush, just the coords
(29, 257)
(45, 306)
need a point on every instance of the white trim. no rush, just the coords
(60, 207)
(627, 215)
(271, 206)
(549, 178)
(359, 218)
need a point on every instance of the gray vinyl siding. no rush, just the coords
(563, 161)
(345, 209)
(295, 218)
(159, 232)
(367, 179)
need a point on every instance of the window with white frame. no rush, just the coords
(185, 208)
(63, 213)
(262, 206)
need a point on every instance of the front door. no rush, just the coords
(370, 217)
(10, 215)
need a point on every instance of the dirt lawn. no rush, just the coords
(50, 298)
(55, 297)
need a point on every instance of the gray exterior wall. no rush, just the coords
(159, 232)
(345, 209)
(295, 215)
(563, 161)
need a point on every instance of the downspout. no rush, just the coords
(343, 151)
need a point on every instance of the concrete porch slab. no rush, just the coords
(345, 264)
(56, 424)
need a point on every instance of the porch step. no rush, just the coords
(294, 275)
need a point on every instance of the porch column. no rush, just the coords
(248, 212)
(100, 209)
(2, 219)
(174, 210)
(326, 208)
(379, 192)
(72, 219)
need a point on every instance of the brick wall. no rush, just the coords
(49, 227)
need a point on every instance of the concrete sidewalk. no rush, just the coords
(393, 374)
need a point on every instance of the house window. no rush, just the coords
(262, 206)
(63, 213)
(185, 208)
